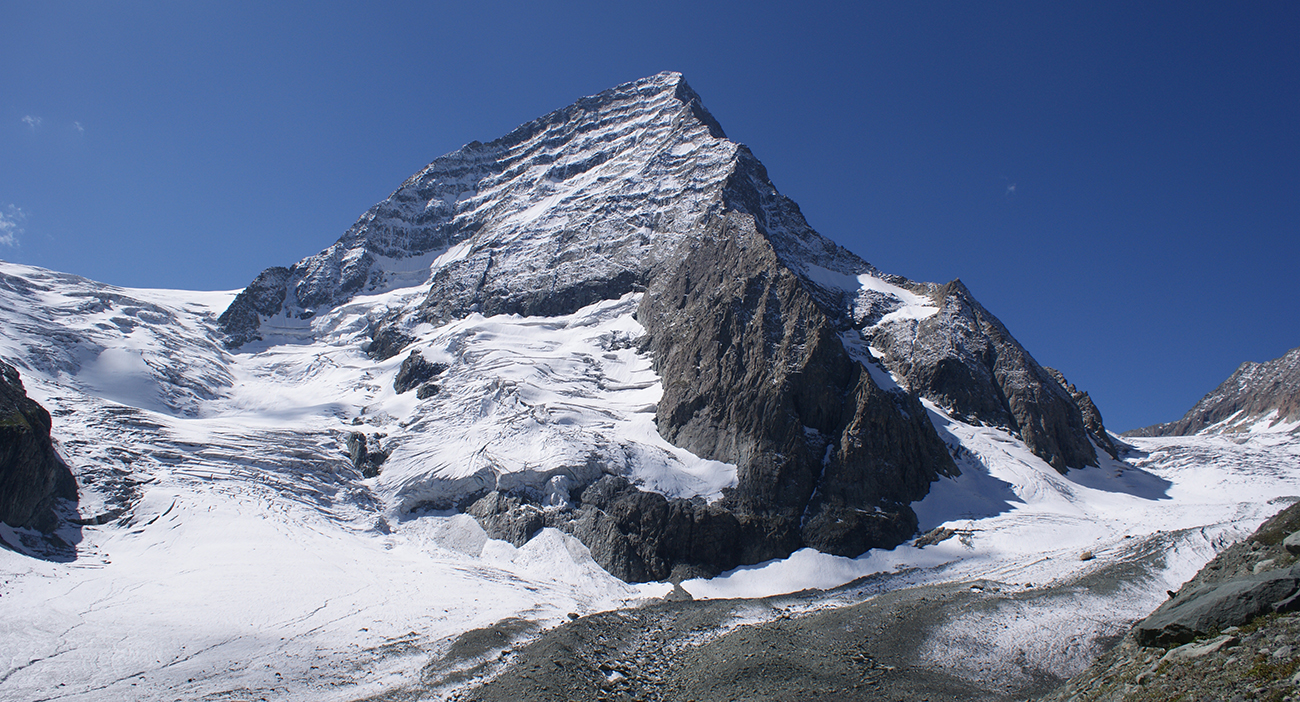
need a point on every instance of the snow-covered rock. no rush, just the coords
(1257, 397)
(769, 338)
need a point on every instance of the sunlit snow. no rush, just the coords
(254, 559)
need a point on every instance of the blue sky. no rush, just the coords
(1119, 182)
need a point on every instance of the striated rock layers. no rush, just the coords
(32, 476)
(775, 346)
(1255, 392)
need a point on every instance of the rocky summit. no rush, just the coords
(778, 349)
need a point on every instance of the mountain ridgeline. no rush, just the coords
(1255, 393)
(779, 351)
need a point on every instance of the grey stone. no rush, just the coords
(1192, 651)
(365, 459)
(264, 297)
(386, 342)
(1292, 543)
(1088, 410)
(1213, 607)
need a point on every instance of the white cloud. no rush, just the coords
(11, 225)
(77, 126)
(32, 121)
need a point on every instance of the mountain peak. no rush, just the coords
(782, 355)
(1256, 397)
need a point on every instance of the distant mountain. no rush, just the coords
(1257, 396)
(781, 353)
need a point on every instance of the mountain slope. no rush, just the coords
(380, 495)
(765, 332)
(1256, 397)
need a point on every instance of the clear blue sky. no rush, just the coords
(1119, 182)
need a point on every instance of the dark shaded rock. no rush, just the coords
(427, 390)
(386, 342)
(1254, 390)
(1292, 543)
(507, 517)
(32, 476)
(639, 536)
(964, 358)
(1211, 608)
(755, 373)
(468, 286)
(363, 458)
(264, 297)
(1088, 410)
(416, 371)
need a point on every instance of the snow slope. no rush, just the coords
(241, 554)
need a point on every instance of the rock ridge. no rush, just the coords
(33, 479)
(1254, 392)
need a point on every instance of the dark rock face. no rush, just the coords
(1088, 410)
(965, 359)
(387, 342)
(509, 518)
(264, 297)
(755, 373)
(640, 536)
(32, 476)
(416, 371)
(1254, 390)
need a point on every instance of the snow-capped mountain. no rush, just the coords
(1257, 397)
(775, 346)
(601, 344)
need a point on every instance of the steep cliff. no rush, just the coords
(32, 476)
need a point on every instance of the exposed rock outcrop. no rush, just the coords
(756, 373)
(1088, 410)
(963, 358)
(364, 458)
(264, 297)
(1212, 608)
(32, 476)
(416, 372)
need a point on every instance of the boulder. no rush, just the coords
(1204, 610)
(363, 457)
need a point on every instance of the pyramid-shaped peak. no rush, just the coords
(632, 101)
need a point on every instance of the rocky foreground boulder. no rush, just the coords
(1230, 633)
(32, 476)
